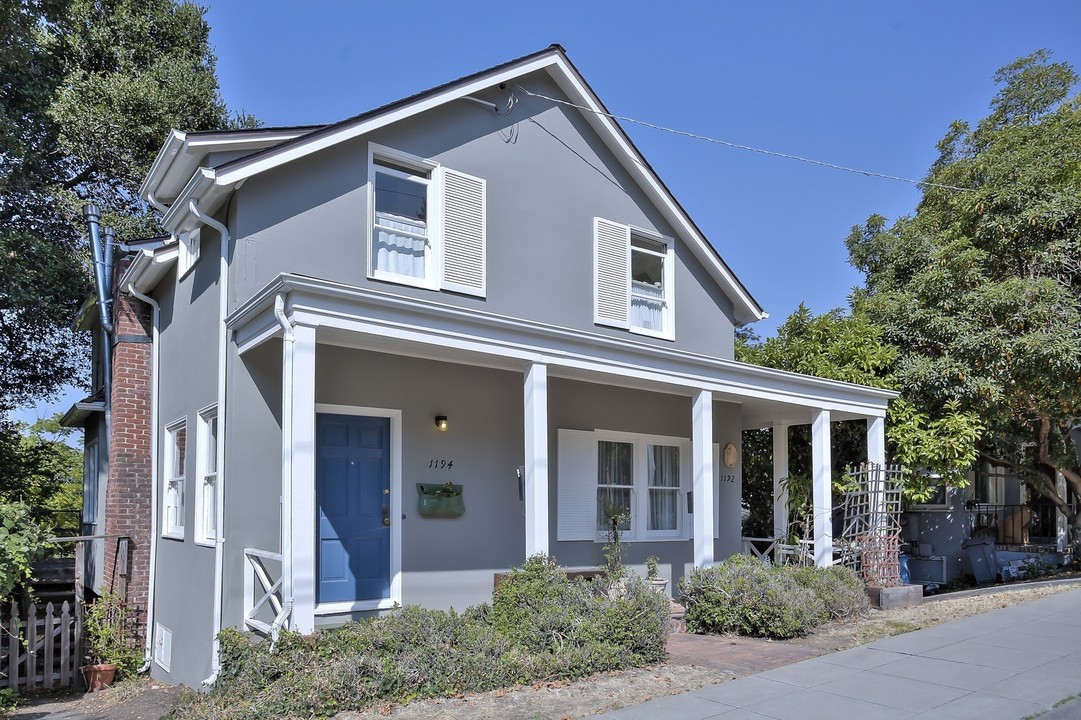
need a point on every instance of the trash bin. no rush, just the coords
(906, 578)
(980, 552)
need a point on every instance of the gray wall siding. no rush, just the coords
(184, 579)
(253, 456)
(543, 191)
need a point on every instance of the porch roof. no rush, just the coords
(380, 321)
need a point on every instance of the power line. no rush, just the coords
(737, 146)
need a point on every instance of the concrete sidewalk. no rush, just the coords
(1018, 662)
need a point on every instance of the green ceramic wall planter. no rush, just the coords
(440, 501)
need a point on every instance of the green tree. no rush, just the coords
(850, 348)
(980, 289)
(88, 90)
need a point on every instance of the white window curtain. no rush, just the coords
(615, 482)
(647, 306)
(400, 245)
(663, 487)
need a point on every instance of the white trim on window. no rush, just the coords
(452, 232)
(615, 289)
(175, 467)
(206, 494)
(580, 487)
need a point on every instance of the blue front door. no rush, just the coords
(353, 498)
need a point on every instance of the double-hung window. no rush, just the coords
(427, 223)
(639, 482)
(634, 273)
(206, 501)
(176, 445)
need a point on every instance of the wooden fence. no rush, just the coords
(42, 650)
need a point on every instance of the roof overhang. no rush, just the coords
(208, 188)
(80, 411)
(183, 153)
(385, 322)
(148, 268)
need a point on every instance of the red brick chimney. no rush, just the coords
(128, 508)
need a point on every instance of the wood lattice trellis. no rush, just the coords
(870, 538)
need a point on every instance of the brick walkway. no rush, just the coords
(738, 656)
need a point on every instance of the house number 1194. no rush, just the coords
(440, 464)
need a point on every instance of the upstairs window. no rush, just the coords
(428, 224)
(634, 277)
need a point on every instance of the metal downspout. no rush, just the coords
(286, 544)
(153, 475)
(223, 425)
(102, 282)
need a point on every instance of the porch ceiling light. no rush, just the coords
(441, 422)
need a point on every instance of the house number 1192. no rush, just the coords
(440, 464)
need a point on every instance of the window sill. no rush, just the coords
(653, 333)
(601, 539)
(179, 536)
(422, 283)
(206, 543)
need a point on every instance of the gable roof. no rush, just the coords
(209, 187)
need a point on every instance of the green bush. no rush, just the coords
(839, 588)
(741, 595)
(541, 626)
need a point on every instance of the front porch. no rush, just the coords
(515, 396)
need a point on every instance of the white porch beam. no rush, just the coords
(821, 484)
(536, 459)
(702, 467)
(780, 473)
(302, 513)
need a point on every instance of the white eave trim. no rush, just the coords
(200, 188)
(191, 149)
(148, 268)
(391, 315)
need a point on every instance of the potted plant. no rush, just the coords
(659, 584)
(110, 651)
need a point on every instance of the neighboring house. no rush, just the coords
(996, 507)
(481, 285)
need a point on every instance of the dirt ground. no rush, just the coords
(145, 700)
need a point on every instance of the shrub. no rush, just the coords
(741, 595)
(541, 626)
(839, 588)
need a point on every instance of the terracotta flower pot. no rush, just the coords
(98, 677)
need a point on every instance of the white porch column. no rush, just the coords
(300, 550)
(702, 467)
(876, 440)
(821, 484)
(536, 459)
(876, 456)
(780, 472)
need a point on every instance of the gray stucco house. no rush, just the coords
(484, 284)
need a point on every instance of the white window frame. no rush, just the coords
(172, 509)
(206, 496)
(667, 331)
(433, 255)
(91, 482)
(639, 530)
(188, 254)
(947, 495)
(612, 282)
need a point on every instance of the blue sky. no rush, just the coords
(872, 85)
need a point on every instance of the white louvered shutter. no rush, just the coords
(612, 273)
(464, 233)
(576, 485)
